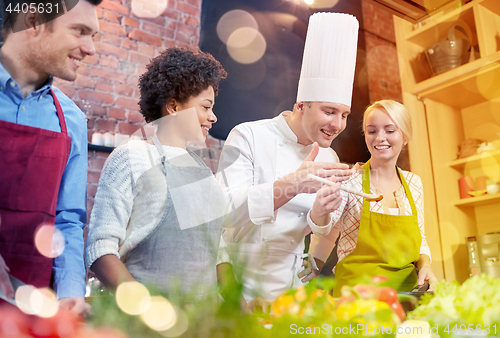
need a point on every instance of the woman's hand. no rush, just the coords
(309, 272)
(425, 273)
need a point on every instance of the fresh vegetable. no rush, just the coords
(397, 308)
(474, 304)
(303, 302)
(374, 289)
(388, 295)
(64, 324)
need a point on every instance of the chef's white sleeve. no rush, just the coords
(248, 202)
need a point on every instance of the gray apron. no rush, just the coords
(179, 257)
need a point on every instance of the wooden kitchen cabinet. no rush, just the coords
(448, 108)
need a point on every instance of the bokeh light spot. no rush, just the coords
(49, 241)
(249, 53)
(133, 298)
(490, 166)
(160, 316)
(485, 131)
(245, 76)
(452, 237)
(50, 305)
(321, 3)
(148, 8)
(29, 299)
(488, 84)
(232, 21)
(242, 37)
(180, 326)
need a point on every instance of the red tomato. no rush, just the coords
(13, 323)
(346, 299)
(366, 291)
(63, 325)
(379, 279)
(398, 310)
(388, 295)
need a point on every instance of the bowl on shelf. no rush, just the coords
(477, 193)
(493, 188)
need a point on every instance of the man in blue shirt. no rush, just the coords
(43, 151)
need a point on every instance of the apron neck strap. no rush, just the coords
(408, 192)
(60, 113)
(366, 187)
(161, 151)
(157, 143)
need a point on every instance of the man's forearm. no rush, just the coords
(283, 192)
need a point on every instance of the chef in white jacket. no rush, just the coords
(265, 166)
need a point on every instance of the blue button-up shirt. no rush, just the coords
(38, 110)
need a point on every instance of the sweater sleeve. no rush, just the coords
(112, 208)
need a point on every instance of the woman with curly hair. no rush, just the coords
(157, 216)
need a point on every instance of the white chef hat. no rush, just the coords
(329, 60)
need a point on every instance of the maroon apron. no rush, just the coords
(32, 162)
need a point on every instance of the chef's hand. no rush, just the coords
(299, 178)
(309, 272)
(328, 199)
(5, 283)
(75, 305)
(257, 304)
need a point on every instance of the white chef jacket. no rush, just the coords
(266, 246)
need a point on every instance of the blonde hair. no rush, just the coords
(398, 114)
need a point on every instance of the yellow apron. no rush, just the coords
(387, 245)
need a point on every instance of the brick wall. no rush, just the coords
(382, 56)
(382, 61)
(108, 80)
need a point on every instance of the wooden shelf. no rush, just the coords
(478, 201)
(437, 28)
(474, 161)
(459, 87)
(492, 5)
(459, 104)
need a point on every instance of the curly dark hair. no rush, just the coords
(178, 73)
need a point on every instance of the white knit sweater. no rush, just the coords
(127, 208)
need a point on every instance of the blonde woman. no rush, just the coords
(385, 237)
